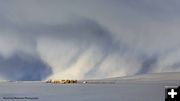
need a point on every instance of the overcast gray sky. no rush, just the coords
(80, 39)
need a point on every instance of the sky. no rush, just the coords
(88, 39)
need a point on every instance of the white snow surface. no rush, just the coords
(149, 87)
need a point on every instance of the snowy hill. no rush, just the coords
(155, 76)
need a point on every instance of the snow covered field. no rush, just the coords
(148, 87)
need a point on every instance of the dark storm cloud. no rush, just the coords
(66, 39)
(81, 31)
(148, 65)
(23, 67)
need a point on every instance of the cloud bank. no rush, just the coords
(42, 40)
